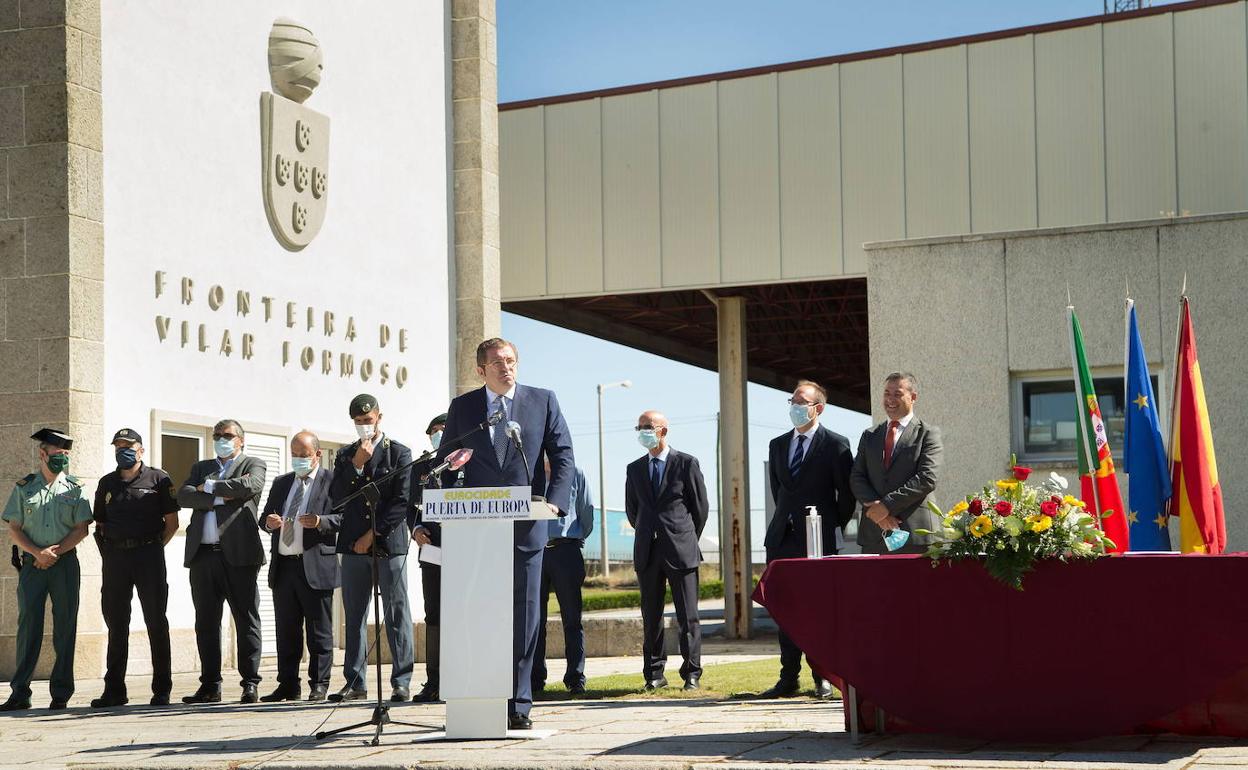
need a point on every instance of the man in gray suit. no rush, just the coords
(895, 471)
(224, 555)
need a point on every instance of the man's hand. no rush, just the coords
(47, 557)
(554, 509)
(421, 536)
(272, 522)
(199, 488)
(877, 512)
(363, 454)
(365, 542)
(310, 521)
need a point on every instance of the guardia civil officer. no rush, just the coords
(429, 533)
(47, 518)
(136, 515)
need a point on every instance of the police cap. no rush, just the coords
(126, 434)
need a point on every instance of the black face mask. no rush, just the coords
(127, 457)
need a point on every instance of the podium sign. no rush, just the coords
(478, 545)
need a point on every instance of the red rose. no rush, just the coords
(976, 507)
(1004, 507)
(1048, 508)
(1057, 499)
(1021, 472)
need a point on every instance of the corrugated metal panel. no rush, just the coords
(873, 175)
(573, 198)
(938, 195)
(522, 202)
(1003, 135)
(689, 179)
(630, 191)
(1070, 128)
(1209, 70)
(810, 172)
(749, 180)
(1139, 118)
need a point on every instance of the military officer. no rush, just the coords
(429, 533)
(136, 515)
(47, 518)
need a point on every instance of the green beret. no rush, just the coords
(361, 405)
(439, 420)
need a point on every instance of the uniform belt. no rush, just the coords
(554, 541)
(290, 556)
(210, 546)
(132, 542)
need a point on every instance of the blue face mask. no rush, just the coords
(126, 457)
(435, 438)
(224, 447)
(799, 414)
(302, 466)
(648, 438)
(896, 539)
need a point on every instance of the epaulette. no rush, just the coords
(73, 480)
(27, 480)
(385, 443)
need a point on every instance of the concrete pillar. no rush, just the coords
(475, 234)
(51, 272)
(734, 514)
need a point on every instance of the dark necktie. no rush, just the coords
(500, 432)
(799, 454)
(888, 443)
(292, 510)
(656, 474)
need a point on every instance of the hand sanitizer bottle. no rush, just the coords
(814, 533)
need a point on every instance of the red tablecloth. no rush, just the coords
(1086, 650)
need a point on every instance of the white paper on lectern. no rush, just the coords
(431, 554)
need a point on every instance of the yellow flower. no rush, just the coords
(961, 506)
(1006, 485)
(1038, 522)
(981, 526)
(1074, 501)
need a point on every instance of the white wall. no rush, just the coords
(182, 195)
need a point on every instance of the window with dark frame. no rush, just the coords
(1048, 420)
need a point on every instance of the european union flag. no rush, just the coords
(1144, 456)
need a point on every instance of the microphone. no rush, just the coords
(513, 433)
(494, 419)
(454, 461)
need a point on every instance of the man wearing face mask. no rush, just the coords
(303, 570)
(47, 518)
(665, 501)
(357, 465)
(224, 555)
(429, 533)
(136, 515)
(809, 465)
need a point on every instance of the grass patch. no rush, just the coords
(720, 681)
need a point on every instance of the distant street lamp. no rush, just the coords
(602, 474)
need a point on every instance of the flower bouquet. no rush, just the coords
(1010, 525)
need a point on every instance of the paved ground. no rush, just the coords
(641, 733)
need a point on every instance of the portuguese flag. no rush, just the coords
(1197, 497)
(1096, 464)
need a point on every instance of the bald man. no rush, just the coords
(665, 500)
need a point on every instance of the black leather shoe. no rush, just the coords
(318, 694)
(823, 690)
(109, 700)
(281, 694)
(428, 694)
(656, 684)
(692, 683)
(13, 704)
(784, 688)
(160, 700)
(576, 689)
(251, 694)
(400, 695)
(539, 687)
(57, 704)
(519, 722)
(346, 694)
(207, 693)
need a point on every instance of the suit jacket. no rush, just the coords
(241, 488)
(320, 558)
(667, 525)
(542, 430)
(391, 508)
(823, 482)
(905, 486)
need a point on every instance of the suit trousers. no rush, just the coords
(526, 595)
(431, 588)
(214, 583)
(791, 547)
(357, 604)
(125, 572)
(684, 583)
(563, 570)
(61, 583)
(298, 607)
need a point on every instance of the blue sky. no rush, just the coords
(548, 47)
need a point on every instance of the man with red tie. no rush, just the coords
(895, 472)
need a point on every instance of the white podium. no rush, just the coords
(478, 544)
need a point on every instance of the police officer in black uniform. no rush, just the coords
(429, 533)
(136, 515)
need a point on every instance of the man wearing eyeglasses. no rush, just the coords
(809, 465)
(224, 555)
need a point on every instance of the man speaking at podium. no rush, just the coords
(497, 461)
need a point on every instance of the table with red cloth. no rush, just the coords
(1148, 642)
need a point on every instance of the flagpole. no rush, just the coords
(1174, 392)
(1126, 365)
(1080, 406)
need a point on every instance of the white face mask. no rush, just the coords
(366, 431)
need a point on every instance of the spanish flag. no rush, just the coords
(1197, 497)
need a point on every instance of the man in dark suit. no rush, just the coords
(303, 570)
(356, 466)
(809, 465)
(896, 470)
(665, 501)
(497, 462)
(429, 533)
(224, 554)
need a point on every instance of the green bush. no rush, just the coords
(614, 599)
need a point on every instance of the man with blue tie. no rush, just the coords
(563, 570)
(527, 423)
(665, 501)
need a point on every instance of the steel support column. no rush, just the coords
(734, 514)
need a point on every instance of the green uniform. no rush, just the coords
(47, 513)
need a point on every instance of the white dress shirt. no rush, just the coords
(491, 405)
(210, 517)
(296, 546)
